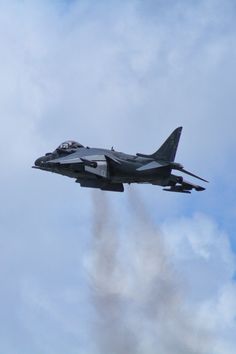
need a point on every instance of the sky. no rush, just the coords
(144, 271)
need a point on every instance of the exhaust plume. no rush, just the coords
(110, 330)
(137, 295)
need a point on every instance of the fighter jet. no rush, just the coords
(109, 169)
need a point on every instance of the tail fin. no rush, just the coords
(168, 149)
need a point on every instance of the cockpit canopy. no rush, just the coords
(70, 144)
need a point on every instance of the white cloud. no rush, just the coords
(201, 252)
(115, 66)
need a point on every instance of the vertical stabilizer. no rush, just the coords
(168, 149)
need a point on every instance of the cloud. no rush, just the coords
(202, 253)
(116, 64)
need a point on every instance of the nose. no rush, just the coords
(43, 159)
(39, 161)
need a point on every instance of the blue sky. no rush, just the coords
(144, 271)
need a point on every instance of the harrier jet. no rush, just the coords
(109, 169)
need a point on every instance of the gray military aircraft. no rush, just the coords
(109, 169)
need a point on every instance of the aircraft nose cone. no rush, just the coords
(40, 161)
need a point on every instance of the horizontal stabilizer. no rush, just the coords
(152, 165)
(179, 167)
(193, 175)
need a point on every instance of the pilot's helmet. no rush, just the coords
(64, 146)
(70, 144)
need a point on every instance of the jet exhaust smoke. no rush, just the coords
(111, 332)
(137, 295)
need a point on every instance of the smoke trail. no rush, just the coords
(168, 325)
(111, 333)
(137, 294)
